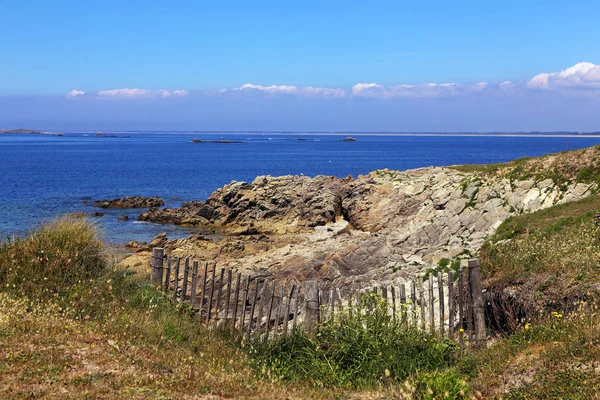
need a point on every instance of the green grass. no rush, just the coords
(97, 331)
(52, 259)
(562, 168)
(362, 347)
(557, 357)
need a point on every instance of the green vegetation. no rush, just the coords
(562, 168)
(554, 358)
(52, 259)
(361, 347)
(555, 253)
(72, 323)
(81, 328)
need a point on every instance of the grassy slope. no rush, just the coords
(104, 333)
(547, 262)
(562, 168)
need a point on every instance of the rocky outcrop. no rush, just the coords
(131, 202)
(274, 205)
(384, 226)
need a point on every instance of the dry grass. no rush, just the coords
(94, 331)
(136, 348)
(557, 358)
(52, 258)
(568, 166)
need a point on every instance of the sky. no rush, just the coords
(387, 65)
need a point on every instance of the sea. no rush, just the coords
(43, 176)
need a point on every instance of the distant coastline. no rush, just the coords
(21, 131)
(565, 134)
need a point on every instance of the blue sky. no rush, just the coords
(310, 65)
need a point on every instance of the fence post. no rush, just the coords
(311, 304)
(158, 254)
(477, 298)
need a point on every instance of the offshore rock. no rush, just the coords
(131, 202)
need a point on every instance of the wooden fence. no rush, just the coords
(449, 304)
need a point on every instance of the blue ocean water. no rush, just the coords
(42, 176)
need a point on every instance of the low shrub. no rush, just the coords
(52, 259)
(445, 384)
(361, 347)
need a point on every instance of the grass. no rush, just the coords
(541, 272)
(552, 255)
(52, 258)
(361, 347)
(562, 168)
(101, 332)
(74, 326)
(555, 358)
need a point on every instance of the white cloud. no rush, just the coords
(366, 88)
(141, 93)
(323, 92)
(374, 90)
(308, 91)
(75, 93)
(273, 89)
(581, 76)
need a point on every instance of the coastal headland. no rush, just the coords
(379, 228)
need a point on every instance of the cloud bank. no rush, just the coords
(582, 77)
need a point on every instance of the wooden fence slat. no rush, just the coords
(212, 293)
(413, 299)
(278, 309)
(403, 312)
(269, 311)
(461, 308)
(422, 304)
(311, 305)
(228, 295)
(219, 295)
(296, 308)
(253, 306)
(431, 305)
(286, 316)
(441, 302)
(263, 299)
(393, 289)
(331, 305)
(244, 303)
(186, 272)
(384, 296)
(477, 303)
(176, 286)
(236, 298)
(167, 276)
(158, 256)
(194, 283)
(468, 308)
(451, 309)
(203, 291)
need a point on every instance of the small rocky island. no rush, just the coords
(21, 131)
(349, 139)
(131, 202)
(219, 141)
